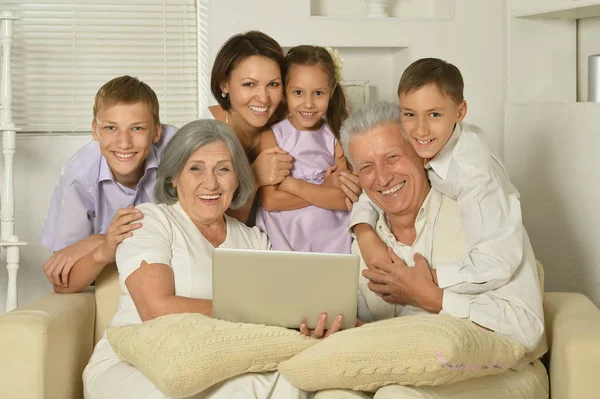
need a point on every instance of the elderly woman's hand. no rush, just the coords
(320, 331)
(351, 187)
(272, 166)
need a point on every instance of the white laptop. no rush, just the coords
(281, 288)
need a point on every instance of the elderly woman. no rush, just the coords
(165, 267)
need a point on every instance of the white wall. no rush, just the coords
(551, 156)
(550, 141)
(474, 40)
(38, 161)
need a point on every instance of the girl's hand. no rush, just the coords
(332, 177)
(272, 166)
(319, 331)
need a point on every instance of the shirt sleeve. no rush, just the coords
(491, 214)
(364, 211)
(70, 216)
(152, 243)
(512, 319)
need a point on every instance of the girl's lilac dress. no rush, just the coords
(310, 229)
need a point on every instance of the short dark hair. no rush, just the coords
(444, 75)
(235, 50)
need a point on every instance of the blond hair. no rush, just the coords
(127, 90)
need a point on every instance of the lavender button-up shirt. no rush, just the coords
(87, 196)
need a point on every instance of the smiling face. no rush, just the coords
(428, 118)
(255, 89)
(307, 93)
(389, 170)
(206, 184)
(125, 133)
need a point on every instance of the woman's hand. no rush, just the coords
(272, 166)
(319, 331)
(351, 187)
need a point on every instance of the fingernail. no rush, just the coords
(338, 317)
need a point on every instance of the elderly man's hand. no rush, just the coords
(399, 284)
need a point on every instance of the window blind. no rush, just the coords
(64, 51)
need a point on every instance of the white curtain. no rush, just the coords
(63, 51)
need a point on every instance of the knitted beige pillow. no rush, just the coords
(411, 350)
(183, 354)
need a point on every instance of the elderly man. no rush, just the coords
(422, 228)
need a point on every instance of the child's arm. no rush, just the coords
(321, 195)
(491, 214)
(271, 197)
(68, 229)
(87, 268)
(59, 266)
(363, 220)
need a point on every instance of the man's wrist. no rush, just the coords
(435, 301)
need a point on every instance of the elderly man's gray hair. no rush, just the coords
(368, 118)
(184, 143)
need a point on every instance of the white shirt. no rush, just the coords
(168, 236)
(513, 310)
(466, 170)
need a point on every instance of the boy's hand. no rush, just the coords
(58, 267)
(121, 227)
(351, 187)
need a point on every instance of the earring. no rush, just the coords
(223, 94)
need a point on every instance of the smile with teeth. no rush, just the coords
(307, 114)
(423, 142)
(209, 197)
(258, 109)
(393, 189)
(122, 155)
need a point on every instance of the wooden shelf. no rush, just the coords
(567, 9)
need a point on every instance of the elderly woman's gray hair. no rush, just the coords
(184, 143)
(368, 118)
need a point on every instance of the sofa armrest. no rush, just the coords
(45, 345)
(573, 331)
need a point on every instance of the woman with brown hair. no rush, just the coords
(247, 82)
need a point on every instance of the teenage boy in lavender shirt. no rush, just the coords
(93, 204)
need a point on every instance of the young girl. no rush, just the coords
(307, 211)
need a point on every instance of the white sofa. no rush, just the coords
(45, 344)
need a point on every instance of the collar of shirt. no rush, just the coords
(440, 164)
(105, 174)
(424, 225)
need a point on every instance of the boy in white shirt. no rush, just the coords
(460, 164)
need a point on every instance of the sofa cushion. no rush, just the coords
(183, 354)
(410, 350)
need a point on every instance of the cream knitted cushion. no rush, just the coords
(183, 354)
(410, 350)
